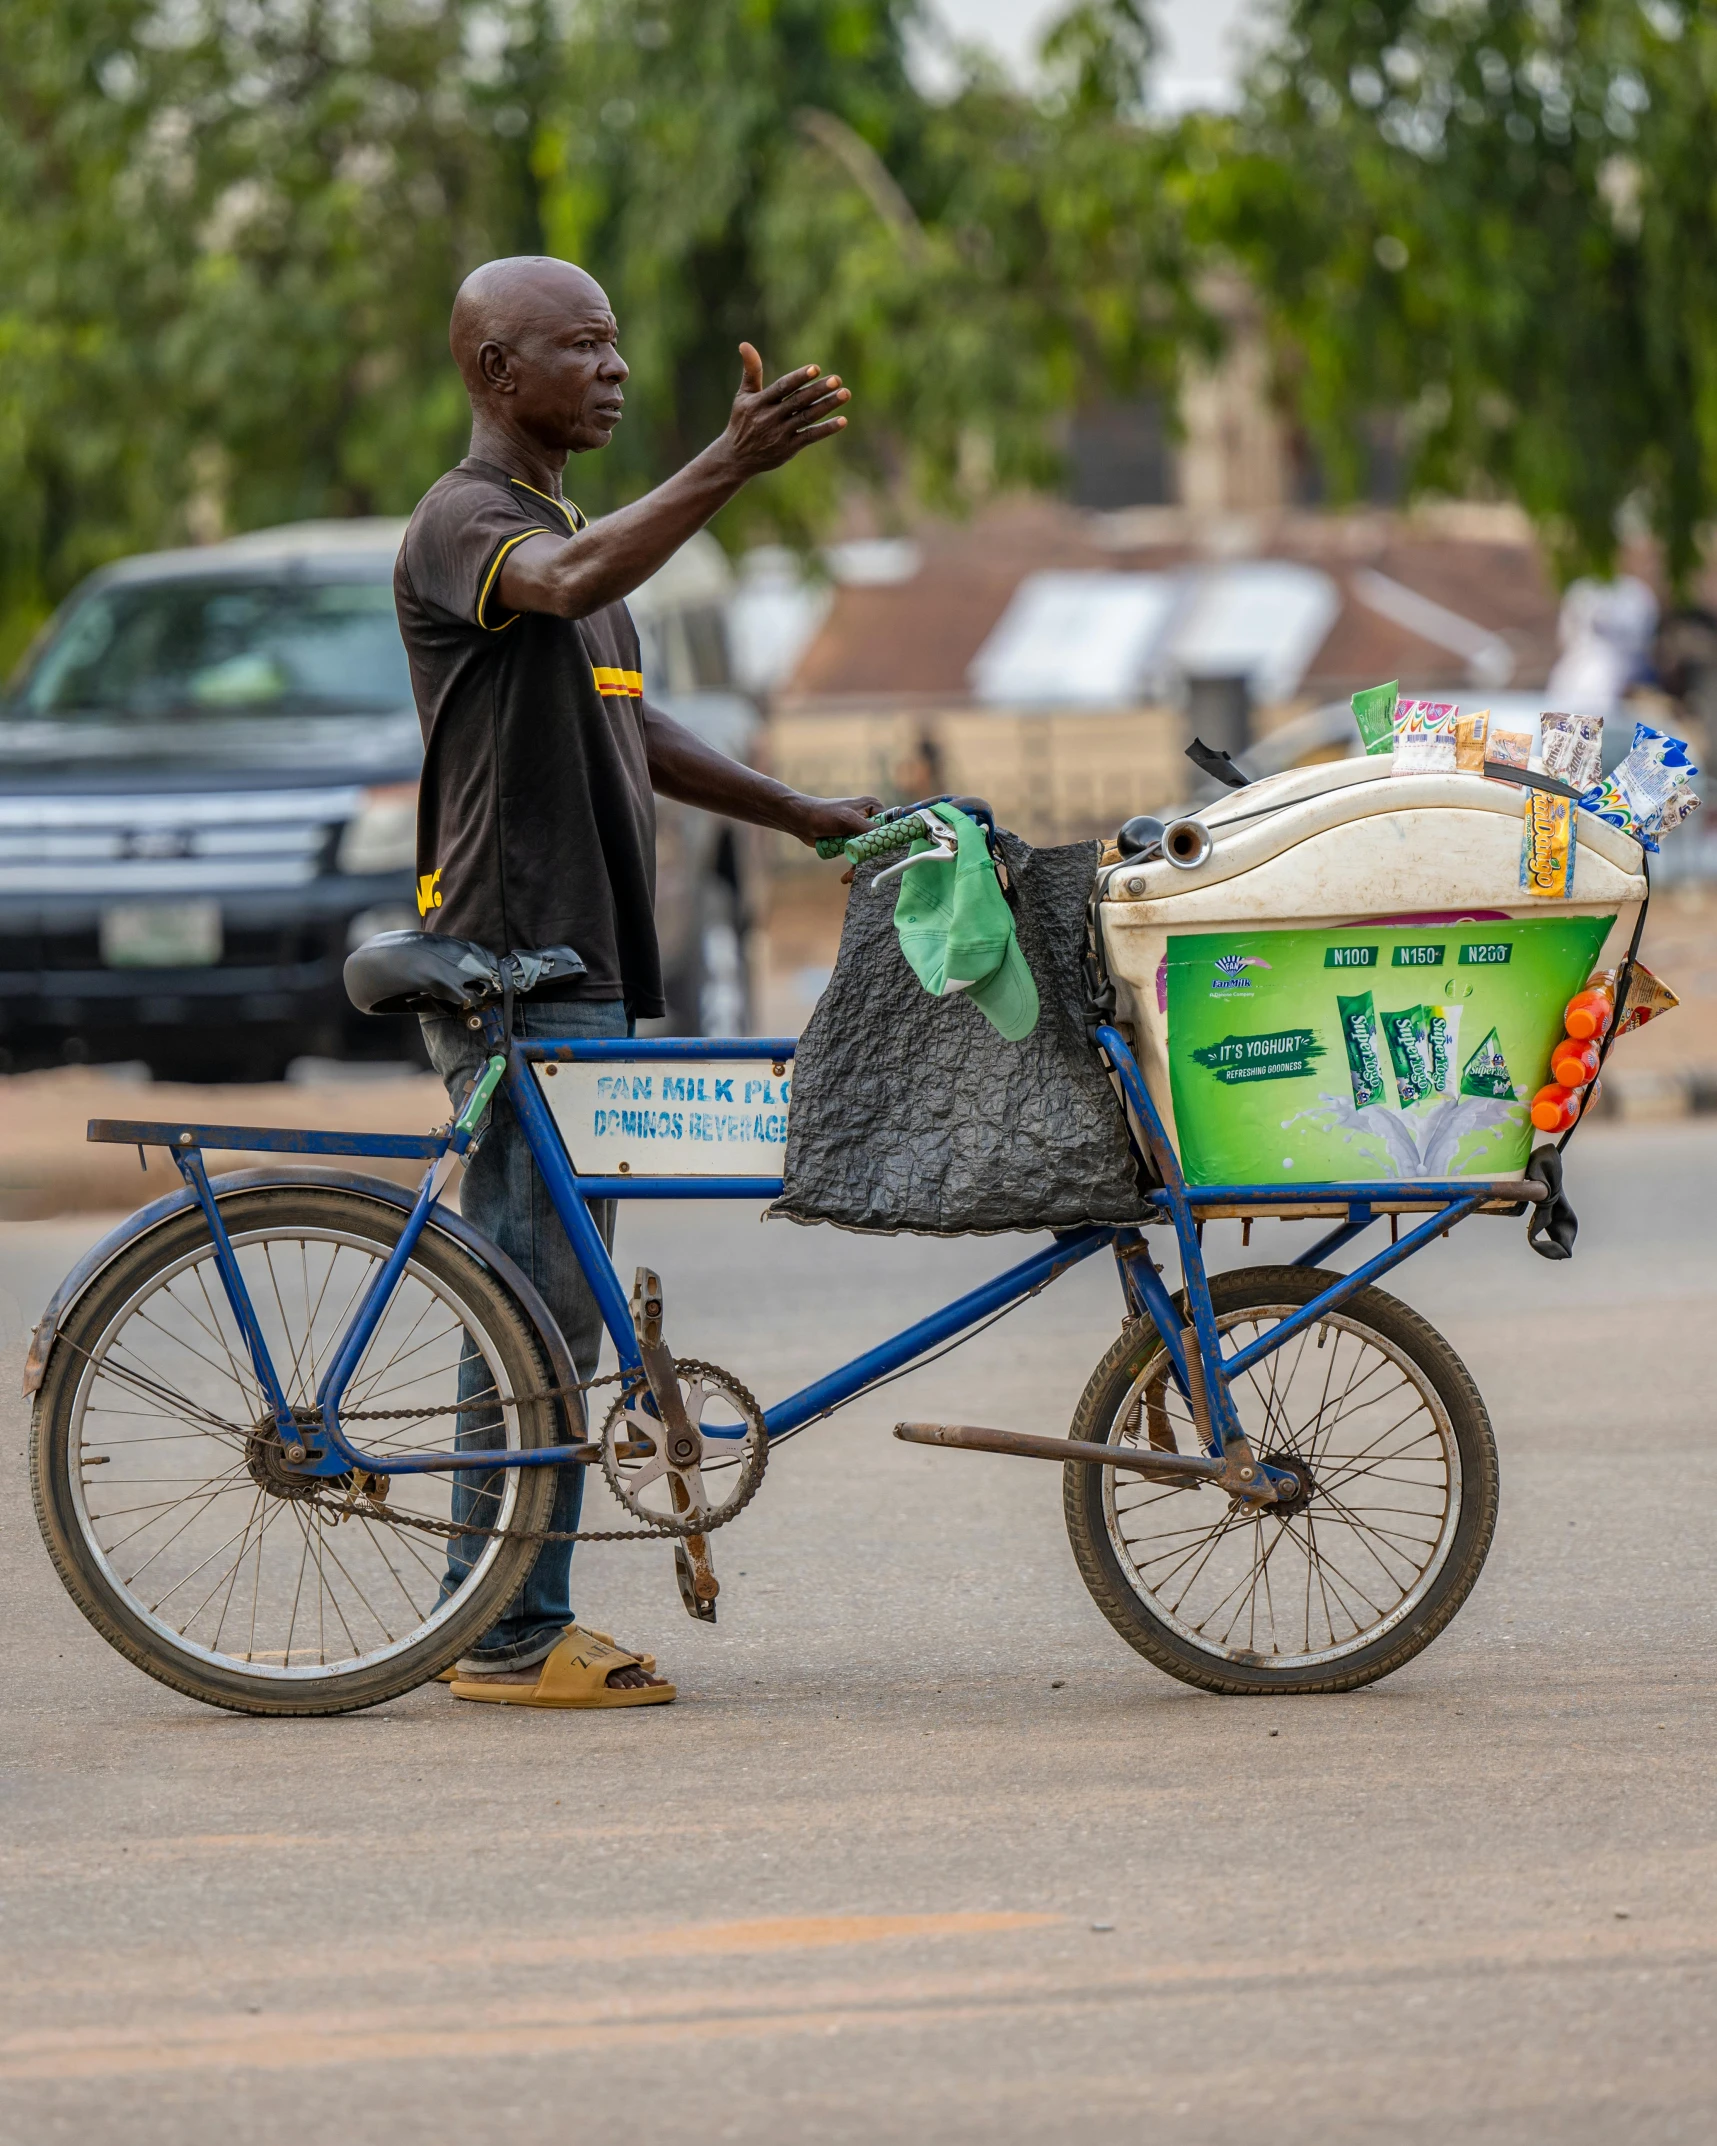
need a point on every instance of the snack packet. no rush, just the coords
(1648, 996)
(1572, 747)
(1547, 846)
(1374, 712)
(1509, 748)
(1425, 737)
(1650, 791)
(1681, 805)
(1470, 741)
(1443, 1027)
(1409, 1037)
(1358, 1018)
(1486, 1072)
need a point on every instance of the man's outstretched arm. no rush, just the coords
(683, 767)
(572, 577)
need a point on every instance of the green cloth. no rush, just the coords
(957, 931)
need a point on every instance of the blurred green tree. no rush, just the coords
(1493, 220)
(229, 235)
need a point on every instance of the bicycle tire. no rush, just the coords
(87, 1350)
(1132, 1367)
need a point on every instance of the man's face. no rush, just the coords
(567, 373)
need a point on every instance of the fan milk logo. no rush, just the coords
(1231, 973)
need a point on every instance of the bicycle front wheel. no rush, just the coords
(162, 1493)
(1380, 1420)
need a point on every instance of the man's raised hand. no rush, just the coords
(769, 425)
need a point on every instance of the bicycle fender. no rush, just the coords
(101, 1256)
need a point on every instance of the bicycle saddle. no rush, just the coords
(428, 972)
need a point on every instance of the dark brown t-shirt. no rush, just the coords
(536, 824)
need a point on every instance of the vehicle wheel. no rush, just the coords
(160, 1488)
(1376, 1412)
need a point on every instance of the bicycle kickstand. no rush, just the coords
(682, 1445)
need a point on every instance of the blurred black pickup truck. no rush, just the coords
(208, 784)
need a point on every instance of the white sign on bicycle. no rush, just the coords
(711, 1117)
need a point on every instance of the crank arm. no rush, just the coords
(693, 1567)
(680, 1447)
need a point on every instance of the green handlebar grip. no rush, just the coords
(875, 841)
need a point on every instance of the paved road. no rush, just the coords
(925, 1852)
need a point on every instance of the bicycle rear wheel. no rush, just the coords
(1382, 1423)
(164, 1500)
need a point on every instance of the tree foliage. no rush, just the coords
(1495, 217)
(230, 231)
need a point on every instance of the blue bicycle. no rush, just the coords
(267, 1402)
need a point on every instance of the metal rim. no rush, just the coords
(1342, 1404)
(426, 1375)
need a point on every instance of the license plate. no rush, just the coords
(161, 935)
(710, 1117)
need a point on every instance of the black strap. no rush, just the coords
(1210, 762)
(1530, 779)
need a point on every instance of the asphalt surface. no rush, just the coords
(924, 1851)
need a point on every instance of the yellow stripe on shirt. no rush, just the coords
(574, 518)
(489, 582)
(626, 685)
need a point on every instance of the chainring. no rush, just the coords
(738, 1461)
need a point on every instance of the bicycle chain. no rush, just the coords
(451, 1530)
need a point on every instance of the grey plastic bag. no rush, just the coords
(912, 1113)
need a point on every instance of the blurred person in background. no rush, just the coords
(542, 759)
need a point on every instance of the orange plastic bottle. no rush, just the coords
(1554, 1108)
(1590, 1012)
(1574, 1064)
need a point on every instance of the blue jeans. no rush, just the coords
(505, 1198)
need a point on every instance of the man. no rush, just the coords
(536, 818)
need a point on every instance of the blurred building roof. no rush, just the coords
(1117, 608)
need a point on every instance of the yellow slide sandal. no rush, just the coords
(575, 1674)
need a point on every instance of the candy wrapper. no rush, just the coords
(1648, 996)
(1425, 737)
(1547, 847)
(1509, 748)
(1358, 1017)
(1681, 805)
(1409, 1037)
(1650, 791)
(1572, 747)
(1486, 1072)
(1374, 712)
(1470, 741)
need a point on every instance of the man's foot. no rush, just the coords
(583, 1669)
(632, 1677)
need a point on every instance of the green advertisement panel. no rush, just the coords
(1367, 1051)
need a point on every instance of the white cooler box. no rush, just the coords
(1354, 985)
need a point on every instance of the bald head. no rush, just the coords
(534, 340)
(515, 302)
